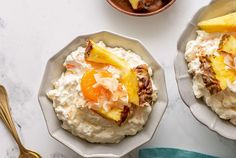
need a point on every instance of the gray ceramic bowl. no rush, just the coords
(199, 109)
(53, 71)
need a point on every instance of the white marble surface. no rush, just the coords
(31, 31)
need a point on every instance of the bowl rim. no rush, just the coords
(52, 133)
(141, 14)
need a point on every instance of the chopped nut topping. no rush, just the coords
(144, 84)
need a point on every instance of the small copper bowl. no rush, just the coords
(124, 7)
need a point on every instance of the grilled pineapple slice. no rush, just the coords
(225, 23)
(130, 81)
(116, 114)
(95, 53)
(222, 74)
(228, 44)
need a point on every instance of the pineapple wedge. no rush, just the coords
(118, 115)
(97, 54)
(222, 74)
(134, 4)
(130, 81)
(225, 23)
(141, 4)
(228, 44)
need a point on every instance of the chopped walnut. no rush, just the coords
(144, 84)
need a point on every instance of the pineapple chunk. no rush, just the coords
(97, 54)
(225, 23)
(130, 82)
(116, 114)
(228, 44)
(222, 74)
(134, 4)
(142, 4)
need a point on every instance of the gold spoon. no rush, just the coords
(5, 115)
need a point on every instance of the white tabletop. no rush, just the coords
(32, 31)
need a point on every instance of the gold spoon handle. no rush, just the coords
(5, 115)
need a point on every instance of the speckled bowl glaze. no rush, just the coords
(198, 108)
(53, 71)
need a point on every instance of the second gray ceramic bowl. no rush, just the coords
(199, 109)
(53, 71)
